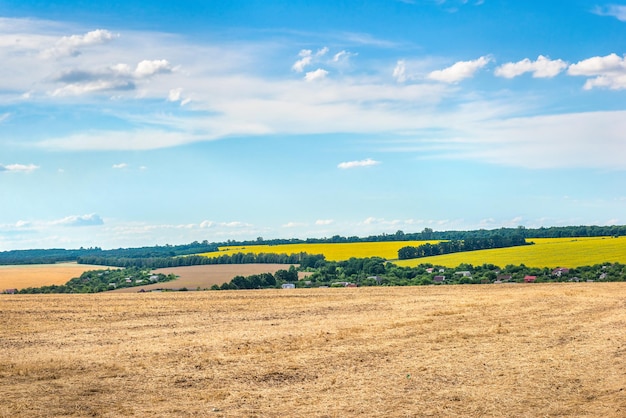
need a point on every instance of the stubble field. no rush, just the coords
(204, 276)
(508, 350)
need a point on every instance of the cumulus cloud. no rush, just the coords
(18, 168)
(323, 222)
(608, 71)
(318, 74)
(613, 10)
(147, 68)
(459, 71)
(542, 67)
(307, 58)
(119, 77)
(304, 61)
(120, 166)
(354, 164)
(70, 45)
(83, 220)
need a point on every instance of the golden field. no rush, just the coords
(541, 350)
(333, 252)
(547, 252)
(36, 275)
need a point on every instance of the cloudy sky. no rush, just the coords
(131, 123)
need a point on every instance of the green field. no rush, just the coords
(546, 252)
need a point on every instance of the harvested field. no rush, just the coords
(203, 277)
(36, 275)
(445, 351)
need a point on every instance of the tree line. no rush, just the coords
(47, 256)
(307, 260)
(457, 246)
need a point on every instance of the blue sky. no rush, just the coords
(131, 123)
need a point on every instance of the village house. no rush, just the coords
(530, 279)
(464, 273)
(439, 279)
(558, 272)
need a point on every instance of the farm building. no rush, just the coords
(439, 279)
(558, 272)
(288, 286)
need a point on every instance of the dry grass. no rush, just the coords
(515, 350)
(36, 275)
(203, 277)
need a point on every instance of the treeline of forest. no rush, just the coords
(95, 281)
(457, 246)
(303, 259)
(57, 255)
(47, 256)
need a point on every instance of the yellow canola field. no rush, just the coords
(547, 252)
(332, 252)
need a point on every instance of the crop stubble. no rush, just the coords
(508, 350)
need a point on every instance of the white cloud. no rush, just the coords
(120, 140)
(235, 224)
(83, 220)
(459, 71)
(304, 61)
(70, 45)
(324, 222)
(614, 10)
(307, 58)
(354, 164)
(609, 71)
(294, 225)
(174, 95)
(18, 168)
(321, 52)
(342, 56)
(147, 68)
(120, 166)
(318, 74)
(399, 72)
(589, 140)
(543, 67)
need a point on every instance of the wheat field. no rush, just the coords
(541, 350)
(36, 275)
